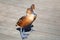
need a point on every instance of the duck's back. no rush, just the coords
(24, 21)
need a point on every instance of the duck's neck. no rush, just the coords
(28, 14)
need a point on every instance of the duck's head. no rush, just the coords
(33, 6)
(29, 11)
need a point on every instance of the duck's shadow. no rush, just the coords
(26, 29)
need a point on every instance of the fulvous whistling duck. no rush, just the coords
(24, 21)
(28, 19)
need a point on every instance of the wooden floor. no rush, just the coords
(46, 26)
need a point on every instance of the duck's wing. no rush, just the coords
(20, 20)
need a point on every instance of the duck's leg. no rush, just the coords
(22, 33)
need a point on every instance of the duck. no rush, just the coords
(28, 19)
(25, 21)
